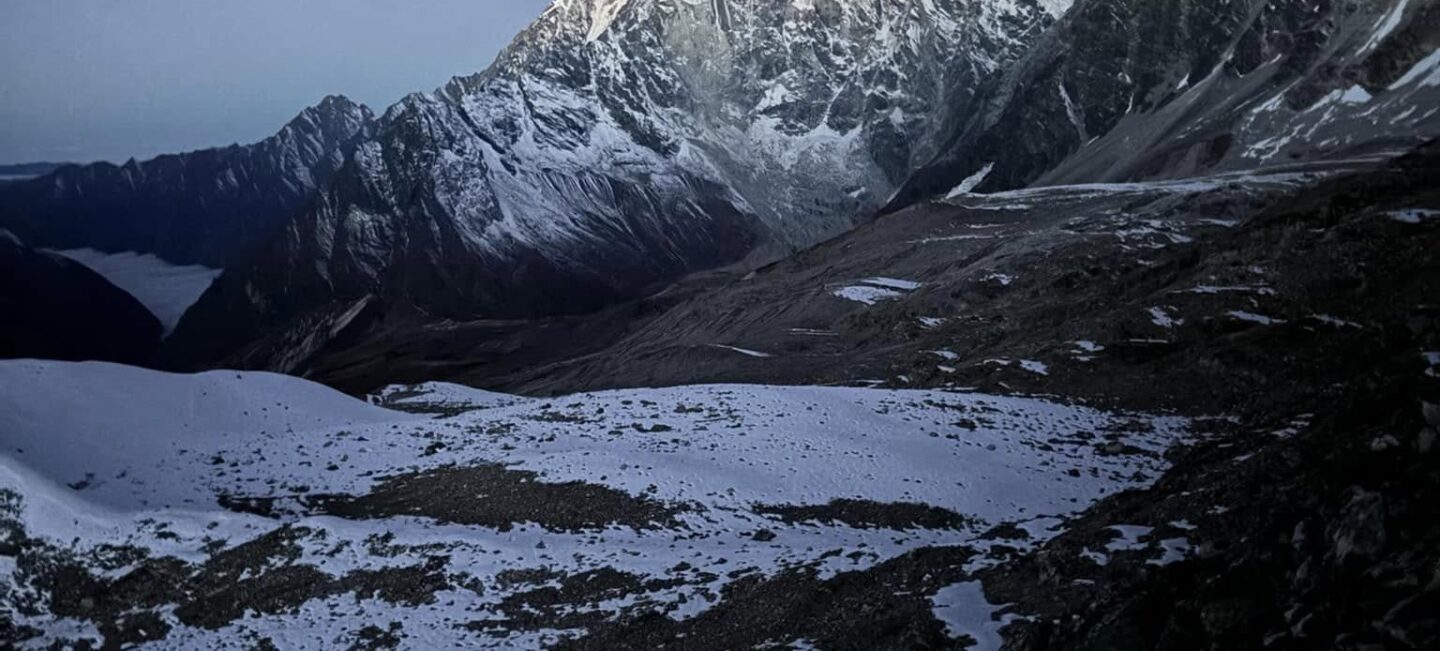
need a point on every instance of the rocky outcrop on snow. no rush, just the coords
(1282, 323)
(224, 509)
(1127, 90)
(210, 207)
(1293, 309)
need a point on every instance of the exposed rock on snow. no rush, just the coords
(428, 520)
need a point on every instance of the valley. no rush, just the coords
(1016, 325)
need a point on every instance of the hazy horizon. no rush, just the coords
(90, 80)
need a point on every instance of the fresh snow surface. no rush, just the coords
(1161, 316)
(1426, 72)
(1038, 368)
(1129, 538)
(166, 289)
(867, 294)
(107, 454)
(971, 182)
(743, 351)
(1252, 317)
(965, 611)
(893, 283)
(603, 13)
(1056, 8)
(1413, 215)
(143, 439)
(1386, 25)
(874, 290)
(1174, 550)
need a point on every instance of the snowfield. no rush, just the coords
(681, 490)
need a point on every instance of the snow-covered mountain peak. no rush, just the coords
(619, 143)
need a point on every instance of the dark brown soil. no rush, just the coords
(865, 514)
(487, 495)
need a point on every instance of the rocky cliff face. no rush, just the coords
(210, 207)
(1128, 89)
(618, 144)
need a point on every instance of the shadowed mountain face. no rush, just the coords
(210, 207)
(56, 308)
(1139, 89)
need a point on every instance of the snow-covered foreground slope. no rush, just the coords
(166, 289)
(337, 514)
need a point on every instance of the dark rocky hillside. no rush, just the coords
(1295, 305)
(1142, 89)
(210, 207)
(56, 308)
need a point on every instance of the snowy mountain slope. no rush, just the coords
(165, 289)
(654, 499)
(210, 207)
(982, 290)
(1125, 90)
(119, 429)
(613, 146)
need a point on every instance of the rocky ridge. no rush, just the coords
(614, 146)
(213, 207)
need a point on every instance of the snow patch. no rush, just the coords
(602, 15)
(1413, 215)
(963, 609)
(743, 351)
(971, 182)
(1252, 317)
(877, 289)
(867, 294)
(1426, 72)
(1161, 316)
(893, 283)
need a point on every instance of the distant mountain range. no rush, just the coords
(19, 171)
(210, 207)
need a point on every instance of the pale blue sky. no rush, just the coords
(109, 79)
